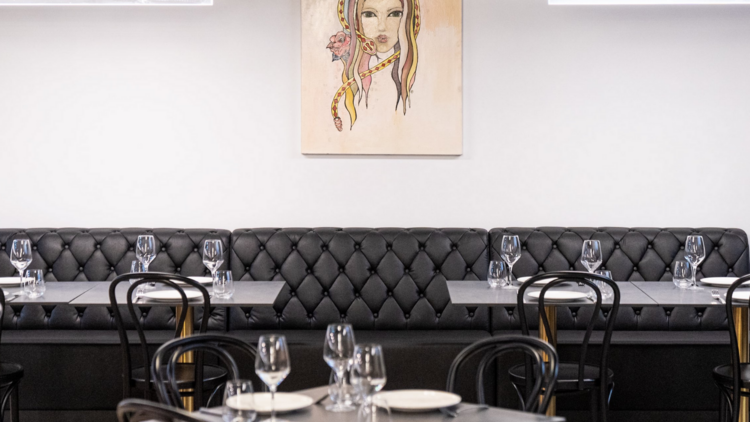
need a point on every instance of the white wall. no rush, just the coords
(195, 112)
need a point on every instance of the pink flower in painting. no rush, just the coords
(339, 45)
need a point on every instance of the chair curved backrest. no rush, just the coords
(144, 278)
(736, 376)
(545, 375)
(168, 354)
(138, 410)
(2, 311)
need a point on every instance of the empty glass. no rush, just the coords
(682, 274)
(497, 275)
(604, 288)
(695, 252)
(145, 250)
(239, 403)
(223, 285)
(368, 377)
(510, 251)
(136, 267)
(33, 284)
(338, 352)
(213, 255)
(591, 255)
(272, 365)
(20, 256)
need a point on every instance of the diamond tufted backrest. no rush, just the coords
(631, 254)
(74, 254)
(386, 278)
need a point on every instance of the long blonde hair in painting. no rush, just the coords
(357, 74)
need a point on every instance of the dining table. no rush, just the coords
(56, 293)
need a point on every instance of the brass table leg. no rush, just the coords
(740, 316)
(187, 330)
(551, 313)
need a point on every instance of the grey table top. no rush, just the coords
(665, 293)
(56, 293)
(479, 293)
(317, 413)
(255, 293)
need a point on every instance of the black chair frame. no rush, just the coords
(138, 410)
(728, 394)
(10, 392)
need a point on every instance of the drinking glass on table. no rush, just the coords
(695, 252)
(510, 251)
(368, 377)
(272, 365)
(145, 250)
(497, 275)
(213, 255)
(33, 284)
(20, 256)
(239, 404)
(223, 285)
(682, 274)
(338, 352)
(604, 288)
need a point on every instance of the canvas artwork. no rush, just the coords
(381, 77)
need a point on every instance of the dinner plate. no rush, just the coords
(200, 280)
(720, 281)
(170, 295)
(559, 296)
(536, 283)
(741, 296)
(10, 281)
(283, 402)
(417, 400)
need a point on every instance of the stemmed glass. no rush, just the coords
(368, 376)
(272, 365)
(510, 251)
(20, 256)
(213, 255)
(591, 255)
(338, 352)
(695, 252)
(145, 250)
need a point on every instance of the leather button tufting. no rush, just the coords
(421, 295)
(325, 293)
(341, 270)
(407, 316)
(541, 269)
(468, 269)
(388, 248)
(66, 246)
(343, 316)
(637, 312)
(34, 248)
(294, 247)
(573, 314)
(700, 314)
(131, 248)
(80, 268)
(194, 249)
(356, 294)
(98, 246)
(309, 271)
(375, 315)
(113, 268)
(247, 269)
(617, 246)
(635, 268)
(437, 271)
(325, 248)
(669, 313)
(278, 315)
(309, 315)
(572, 268)
(293, 293)
(262, 247)
(730, 270)
(163, 249)
(390, 293)
(356, 246)
(80, 314)
(247, 314)
(554, 246)
(650, 246)
(454, 247)
(48, 314)
(471, 314)
(438, 314)
(276, 270)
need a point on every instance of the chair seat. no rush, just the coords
(567, 376)
(213, 376)
(10, 372)
(723, 375)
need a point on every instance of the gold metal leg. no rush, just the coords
(187, 330)
(551, 312)
(741, 322)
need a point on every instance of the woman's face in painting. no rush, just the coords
(381, 20)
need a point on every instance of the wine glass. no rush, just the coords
(239, 403)
(368, 376)
(591, 255)
(213, 255)
(695, 252)
(20, 255)
(223, 285)
(510, 251)
(145, 250)
(33, 284)
(682, 274)
(338, 352)
(272, 365)
(497, 276)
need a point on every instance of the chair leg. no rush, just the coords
(521, 401)
(14, 405)
(211, 397)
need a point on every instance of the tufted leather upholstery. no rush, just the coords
(377, 279)
(631, 254)
(74, 254)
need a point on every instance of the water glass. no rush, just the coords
(272, 365)
(682, 274)
(510, 251)
(497, 275)
(342, 391)
(368, 377)
(591, 255)
(213, 255)
(145, 250)
(695, 252)
(239, 404)
(223, 285)
(21, 256)
(604, 288)
(33, 284)
(338, 352)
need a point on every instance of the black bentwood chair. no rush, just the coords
(582, 376)
(140, 378)
(735, 376)
(545, 376)
(10, 376)
(166, 368)
(137, 410)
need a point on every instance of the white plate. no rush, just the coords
(559, 296)
(10, 281)
(200, 280)
(720, 281)
(741, 296)
(171, 295)
(418, 400)
(284, 402)
(536, 283)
